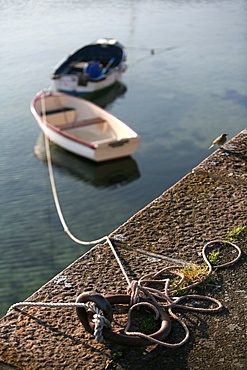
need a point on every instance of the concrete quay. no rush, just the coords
(205, 205)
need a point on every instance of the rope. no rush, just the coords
(57, 204)
(136, 289)
(55, 304)
(98, 318)
(58, 207)
(53, 186)
(156, 341)
(100, 322)
(62, 220)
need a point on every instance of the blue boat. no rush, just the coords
(91, 69)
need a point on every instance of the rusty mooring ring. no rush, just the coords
(104, 303)
(100, 302)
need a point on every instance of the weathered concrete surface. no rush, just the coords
(205, 205)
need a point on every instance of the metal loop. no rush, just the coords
(100, 302)
(86, 318)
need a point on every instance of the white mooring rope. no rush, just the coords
(136, 289)
(98, 318)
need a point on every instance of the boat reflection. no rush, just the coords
(107, 96)
(104, 174)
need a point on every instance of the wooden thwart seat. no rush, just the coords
(84, 122)
(65, 118)
(58, 110)
(60, 116)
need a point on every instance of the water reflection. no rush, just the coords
(234, 96)
(108, 95)
(106, 174)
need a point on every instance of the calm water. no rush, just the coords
(178, 99)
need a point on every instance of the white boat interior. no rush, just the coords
(92, 128)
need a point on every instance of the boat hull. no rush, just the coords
(70, 84)
(102, 153)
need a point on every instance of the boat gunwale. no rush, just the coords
(68, 135)
(75, 56)
(44, 122)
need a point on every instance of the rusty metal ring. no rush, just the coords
(100, 302)
(122, 339)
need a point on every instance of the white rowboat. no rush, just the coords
(82, 127)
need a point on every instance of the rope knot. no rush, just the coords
(134, 290)
(100, 322)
